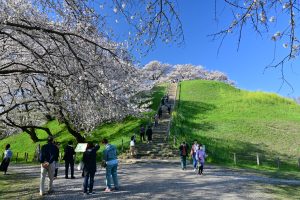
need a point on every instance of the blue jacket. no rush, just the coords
(110, 153)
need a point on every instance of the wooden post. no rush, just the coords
(234, 158)
(257, 159)
(174, 141)
(299, 163)
(122, 145)
(25, 156)
(278, 162)
(17, 157)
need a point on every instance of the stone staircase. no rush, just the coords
(159, 148)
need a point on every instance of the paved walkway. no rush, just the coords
(165, 180)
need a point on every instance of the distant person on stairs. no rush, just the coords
(142, 133)
(183, 153)
(194, 149)
(149, 134)
(160, 112)
(156, 120)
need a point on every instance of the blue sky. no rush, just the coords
(245, 67)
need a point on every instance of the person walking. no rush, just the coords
(160, 112)
(111, 160)
(132, 146)
(6, 160)
(194, 149)
(155, 120)
(201, 155)
(69, 160)
(48, 156)
(89, 167)
(183, 153)
(149, 134)
(142, 133)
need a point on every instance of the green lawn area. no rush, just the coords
(114, 132)
(229, 120)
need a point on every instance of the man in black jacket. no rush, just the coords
(69, 159)
(48, 156)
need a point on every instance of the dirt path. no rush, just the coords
(167, 181)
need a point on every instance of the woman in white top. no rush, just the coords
(132, 146)
(7, 158)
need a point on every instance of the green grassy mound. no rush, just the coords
(229, 120)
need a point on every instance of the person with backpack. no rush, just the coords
(183, 153)
(7, 157)
(160, 112)
(194, 149)
(201, 155)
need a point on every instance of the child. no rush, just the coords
(201, 155)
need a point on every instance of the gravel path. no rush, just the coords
(151, 180)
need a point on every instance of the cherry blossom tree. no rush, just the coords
(187, 72)
(156, 71)
(56, 62)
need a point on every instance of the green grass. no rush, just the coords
(114, 132)
(229, 120)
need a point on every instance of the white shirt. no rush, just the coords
(132, 143)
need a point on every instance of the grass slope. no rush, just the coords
(115, 132)
(229, 120)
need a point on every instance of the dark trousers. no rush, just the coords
(142, 136)
(55, 173)
(88, 176)
(4, 165)
(200, 168)
(71, 164)
(183, 162)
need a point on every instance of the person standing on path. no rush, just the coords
(149, 134)
(183, 153)
(7, 157)
(49, 154)
(142, 133)
(194, 149)
(201, 155)
(69, 160)
(89, 167)
(111, 160)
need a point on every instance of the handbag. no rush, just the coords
(45, 165)
(80, 166)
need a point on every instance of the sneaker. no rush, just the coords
(85, 194)
(107, 190)
(42, 194)
(66, 177)
(117, 188)
(73, 177)
(195, 169)
(92, 193)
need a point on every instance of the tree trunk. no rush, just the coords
(32, 134)
(76, 134)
